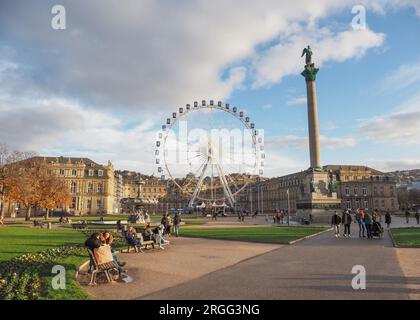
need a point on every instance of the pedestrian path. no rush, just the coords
(316, 268)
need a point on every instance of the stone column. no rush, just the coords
(314, 150)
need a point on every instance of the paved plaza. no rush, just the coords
(315, 268)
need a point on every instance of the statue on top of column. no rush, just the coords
(308, 55)
(310, 71)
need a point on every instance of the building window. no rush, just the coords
(381, 191)
(99, 204)
(90, 173)
(366, 205)
(348, 204)
(356, 190)
(74, 172)
(89, 204)
(357, 204)
(61, 172)
(100, 173)
(73, 203)
(90, 188)
(375, 191)
(73, 187)
(100, 188)
(347, 191)
(364, 191)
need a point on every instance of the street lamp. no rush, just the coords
(288, 207)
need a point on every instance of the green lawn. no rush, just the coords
(268, 234)
(407, 237)
(15, 241)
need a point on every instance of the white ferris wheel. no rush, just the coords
(211, 152)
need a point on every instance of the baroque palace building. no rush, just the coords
(92, 185)
(355, 186)
(143, 191)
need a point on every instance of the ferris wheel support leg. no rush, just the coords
(198, 187)
(225, 184)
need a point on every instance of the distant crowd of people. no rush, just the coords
(369, 224)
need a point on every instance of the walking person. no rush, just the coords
(388, 219)
(177, 222)
(417, 216)
(335, 222)
(346, 219)
(368, 222)
(360, 217)
(407, 216)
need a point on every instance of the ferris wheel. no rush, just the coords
(211, 152)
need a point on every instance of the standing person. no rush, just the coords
(388, 219)
(360, 218)
(346, 219)
(335, 222)
(417, 216)
(177, 222)
(407, 216)
(368, 222)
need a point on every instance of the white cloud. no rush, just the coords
(401, 126)
(284, 58)
(405, 76)
(146, 54)
(292, 141)
(393, 165)
(61, 127)
(296, 101)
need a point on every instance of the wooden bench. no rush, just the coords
(79, 225)
(38, 224)
(138, 248)
(100, 268)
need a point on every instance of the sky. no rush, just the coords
(103, 86)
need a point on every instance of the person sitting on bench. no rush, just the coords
(148, 233)
(94, 242)
(132, 237)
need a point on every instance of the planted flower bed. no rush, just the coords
(21, 277)
(28, 276)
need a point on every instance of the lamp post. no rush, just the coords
(288, 207)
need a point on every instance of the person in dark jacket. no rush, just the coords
(335, 222)
(407, 216)
(417, 216)
(388, 219)
(177, 223)
(368, 223)
(346, 220)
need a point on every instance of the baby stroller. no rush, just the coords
(377, 230)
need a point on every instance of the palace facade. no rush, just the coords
(92, 186)
(355, 186)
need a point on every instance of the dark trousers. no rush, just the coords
(347, 229)
(361, 230)
(369, 230)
